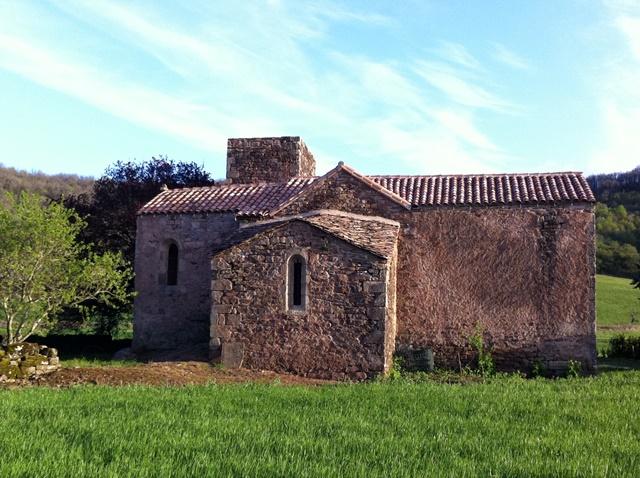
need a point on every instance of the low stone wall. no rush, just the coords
(27, 361)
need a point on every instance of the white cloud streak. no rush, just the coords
(618, 94)
(257, 76)
(510, 58)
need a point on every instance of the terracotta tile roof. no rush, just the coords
(489, 189)
(374, 234)
(416, 191)
(243, 199)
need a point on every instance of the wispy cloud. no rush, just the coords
(287, 76)
(149, 108)
(457, 53)
(510, 58)
(460, 87)
(618, 95)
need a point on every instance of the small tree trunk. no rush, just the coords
(10, 337)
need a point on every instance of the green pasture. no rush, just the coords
(504, 427)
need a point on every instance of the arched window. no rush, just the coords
(297, 283)
(172, 265)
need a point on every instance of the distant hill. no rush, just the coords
(52, 186)
(617, 222)
(618, 189)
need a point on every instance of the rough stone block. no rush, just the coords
(232, 354)
(374, 286)
(221, 284)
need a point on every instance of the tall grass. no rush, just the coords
(506, 427)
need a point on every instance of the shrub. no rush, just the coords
(538, 369)
(574, 368)
(486, 367)
(627, 346)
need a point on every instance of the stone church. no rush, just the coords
(331, 276)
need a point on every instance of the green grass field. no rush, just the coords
(616, 301)
(506, 427)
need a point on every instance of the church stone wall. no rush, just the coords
(524, 276)
(174, 317)
(342, 332)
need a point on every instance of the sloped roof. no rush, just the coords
(242, 199)
(489, 189)
(409, 191)
(374, 234)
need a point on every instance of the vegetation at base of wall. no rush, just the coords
(504, 427)
(485, 367)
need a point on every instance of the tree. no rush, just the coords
(44, 269)
(125, 187)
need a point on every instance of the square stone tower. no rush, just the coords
(268, 160)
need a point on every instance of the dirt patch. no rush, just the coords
(619, 328)
(172, 374)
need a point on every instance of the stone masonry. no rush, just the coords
(256, 160)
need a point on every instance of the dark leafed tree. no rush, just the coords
(110, 211)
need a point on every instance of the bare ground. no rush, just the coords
(164, 373)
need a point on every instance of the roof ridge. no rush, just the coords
(322, 212)
(343, 167)
(550, 173)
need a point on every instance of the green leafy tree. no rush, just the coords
(44, 268)
(618, 240)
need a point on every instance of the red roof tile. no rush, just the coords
(418, 191)
(243, 199)
(489, 189)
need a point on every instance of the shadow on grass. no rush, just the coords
(615, 364)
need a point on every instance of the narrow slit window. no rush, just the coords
(297, 283)
(172, 265)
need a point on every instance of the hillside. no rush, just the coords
(51, 186)
(618, 189)
(618, 222)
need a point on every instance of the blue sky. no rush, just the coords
(408, 87)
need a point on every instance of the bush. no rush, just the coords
(627, 346)
(486, 366)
